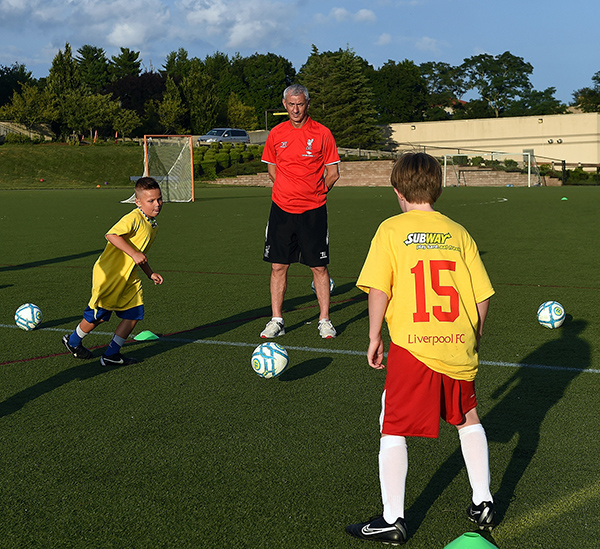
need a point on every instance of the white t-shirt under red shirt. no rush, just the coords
(300, 155)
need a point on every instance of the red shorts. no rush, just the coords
(416, 397)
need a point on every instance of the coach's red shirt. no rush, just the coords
(300, 155)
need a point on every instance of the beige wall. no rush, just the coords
(579, 136)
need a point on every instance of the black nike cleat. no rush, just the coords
(78, 352)
(117, 360)
(482, 514)
(377, 529)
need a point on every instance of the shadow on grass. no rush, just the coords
(44, 262)
(305, 369)
(220, 327)
(79, 372)
(525, 399)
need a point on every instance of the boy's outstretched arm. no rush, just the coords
(138, 257)
(378, 302)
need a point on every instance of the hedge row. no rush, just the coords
(211, 160)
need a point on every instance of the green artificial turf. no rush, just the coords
(190, 448)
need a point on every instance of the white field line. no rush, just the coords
(321, 350)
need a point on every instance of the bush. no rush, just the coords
(510, 164)
(223, 160)
(477, 160)
(20, 139)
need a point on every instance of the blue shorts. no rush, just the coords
(91, 315)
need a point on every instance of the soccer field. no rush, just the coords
(190, 448)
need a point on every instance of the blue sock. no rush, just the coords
(76, 337)
(115, 345)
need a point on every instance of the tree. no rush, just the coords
(199, 91)
(12, 79)
(64, 75)
(400, 92)
(240, 115)
(445, 87)
(127, 63)
(264, 78)
(341, 97)
(93, 67)
(177, 65)
(536, 103)
(498, 79)
(588, 98)
(171, 109)
(126, 121)
(30, 107)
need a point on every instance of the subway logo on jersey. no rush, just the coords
(427, 238)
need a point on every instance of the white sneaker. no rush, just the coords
(274, 328)
(326, 329)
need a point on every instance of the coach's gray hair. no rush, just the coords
(296, 89)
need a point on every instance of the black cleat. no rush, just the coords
(78, 352)
(377, 529)
(482, 514)
(117, 360)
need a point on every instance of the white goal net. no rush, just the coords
(455, 166)
(169, 159)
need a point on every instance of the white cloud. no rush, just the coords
(341, 15)
(384, 39)
(427, 44)
(240, 23)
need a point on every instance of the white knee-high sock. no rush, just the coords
(393, 468)
(473, 443)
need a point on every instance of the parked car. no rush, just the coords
(225, 135)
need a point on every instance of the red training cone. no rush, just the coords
(470, 540)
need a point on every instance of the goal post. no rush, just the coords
(170, 160)
(524, 161)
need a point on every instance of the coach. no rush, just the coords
(303, 163)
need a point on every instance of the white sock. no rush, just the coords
(80, 332)
(278, 319)
(393, 468)
(473, 443)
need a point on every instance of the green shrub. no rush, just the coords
(207, 171)
(19, 139)
(223, 160)
(477, 160)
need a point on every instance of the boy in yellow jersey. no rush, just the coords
(423, 273)
(116, 285)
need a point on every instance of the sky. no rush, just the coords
(559, 39)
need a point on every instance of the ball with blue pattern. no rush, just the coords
(331, 286)
(269, 359)
(28, 317)
(551, 314)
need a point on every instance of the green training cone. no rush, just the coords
(470, 540)
(146, 335)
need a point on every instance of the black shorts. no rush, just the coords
(292, 238)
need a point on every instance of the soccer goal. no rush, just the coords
(454, 163)
(170, 160)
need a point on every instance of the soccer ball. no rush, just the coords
(269, 359)
(551, 314)
(28, 316)
(331, 286)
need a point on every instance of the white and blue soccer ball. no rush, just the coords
(331, 286)
(551, 314)
(28, 316)
(269, 359)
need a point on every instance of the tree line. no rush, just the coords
(87, 93)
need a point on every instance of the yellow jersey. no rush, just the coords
(116, 285)
(431, 271)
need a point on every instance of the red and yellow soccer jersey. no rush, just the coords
(300, 155)
(116, 285)
(431, 271)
